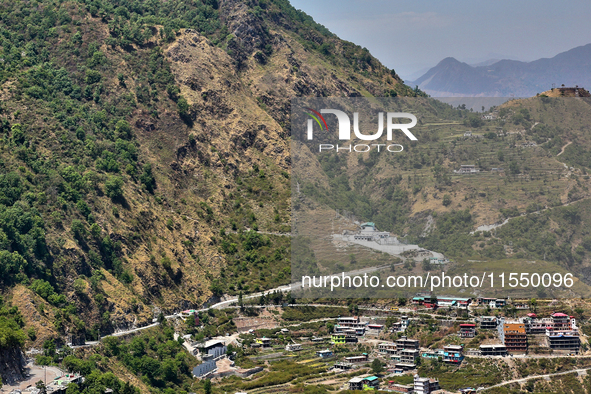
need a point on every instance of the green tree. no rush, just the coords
(114, 187)
(377, 366)
(79, 286)
(446, 200)
(207, 386)
(123, 130)
(183, 107)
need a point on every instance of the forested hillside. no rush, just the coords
(144, 152)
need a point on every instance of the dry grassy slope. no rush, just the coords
(486, 194)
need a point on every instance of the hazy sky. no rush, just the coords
(410, 35)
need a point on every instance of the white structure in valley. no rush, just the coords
(369, 236)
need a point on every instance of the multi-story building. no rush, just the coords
(406, 343)
(535, 326)
(409, 356)
(388, 348)
(467, 330)
(357, 359)
(264, 341)
(453, 354)
(434, 354)
(454, 302)
(350, 325)
(488, 322)
(565, 340)
(403, 351)
(425, 385)
(513, 335)
(491, 302)
(563, 333)
(342, 338)
(426, 299)
(364, 383)
(338, 339)
(493, 350)
(563, 322)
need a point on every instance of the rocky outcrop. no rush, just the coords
(12, 364)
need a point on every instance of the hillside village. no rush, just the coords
(423, 345)
(147, 221)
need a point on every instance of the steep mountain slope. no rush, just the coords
(507, 77)
(144, 152)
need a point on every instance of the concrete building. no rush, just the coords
(534, 326)
(341, 339)
(493, 350)
(565, 340)
(388, 348)
(349, 325)
(369, 232)
(213, 347)
(293, 347)
(563, 333)
(433, 354)
(264, 341)
(327, 353)
(453, 354)
(513, 335)
(425, 385)
(467, 169)
(356, 383)
(473, 352)
(467, 330)
(406, 343)
(409, 356)
(453, 302)
(487, 322)
(357, 359)
(364, 383)
(400, 388)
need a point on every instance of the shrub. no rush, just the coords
(114, 187)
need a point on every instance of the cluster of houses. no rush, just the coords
(430, 301)
(451, 354)
(404, 352)
(560, 332)
(419, 386)
(59, 385)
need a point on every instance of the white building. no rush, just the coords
(293, 347)
(369, 232)
(425, 385)
(467, 169)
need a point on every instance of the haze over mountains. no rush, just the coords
(507, 77)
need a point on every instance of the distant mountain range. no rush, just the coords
(504, 78)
